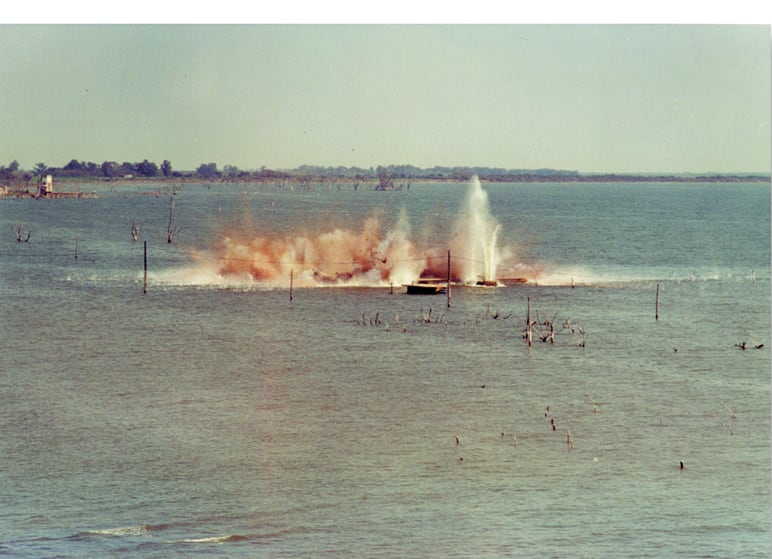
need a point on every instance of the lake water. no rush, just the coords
(214, 416)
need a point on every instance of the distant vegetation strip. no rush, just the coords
(384, 177)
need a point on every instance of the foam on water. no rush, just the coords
(214, 539)
(122, 531)
(146, 529)
(202, 275)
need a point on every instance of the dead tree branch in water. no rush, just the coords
(172, 229)
(376, 321)
(426, 318)
(370, 321)
(546, 330)
(22, 235)
(497, 315)
(134, 231)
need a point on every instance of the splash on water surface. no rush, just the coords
(371, 255)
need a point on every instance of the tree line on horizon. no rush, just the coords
(384, 175)
(149, 169)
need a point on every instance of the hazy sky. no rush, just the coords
(606, 98)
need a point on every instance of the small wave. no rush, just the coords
(215, 539)
(122, 531)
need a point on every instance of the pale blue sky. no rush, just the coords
(605, 98)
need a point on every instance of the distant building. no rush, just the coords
(46, 186)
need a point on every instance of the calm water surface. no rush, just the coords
(219, 419)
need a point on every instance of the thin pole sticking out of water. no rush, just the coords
(291, 285)
(144, 284)
(77, 240)
(528, 323)
(448, 286)
(656, 305)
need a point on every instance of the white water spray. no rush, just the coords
(480, 232)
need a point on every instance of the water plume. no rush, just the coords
(478, 232)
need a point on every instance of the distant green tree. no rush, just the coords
(13, 166)
(207, 171)
(40, 169)
(74, 166)
(147, 168)
(230, 171)
(166, 168)
(110, 169)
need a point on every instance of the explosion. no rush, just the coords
(370, 256)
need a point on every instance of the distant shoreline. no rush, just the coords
(19, 188)
(513, 177)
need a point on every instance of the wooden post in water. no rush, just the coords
(144, 284)
(291, 271)
(77, 239)
(447, 288)
(656, 305)
(528, 323)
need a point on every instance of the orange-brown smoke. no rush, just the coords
(369, 256)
